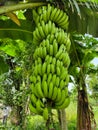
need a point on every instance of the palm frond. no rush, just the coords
(76, 4)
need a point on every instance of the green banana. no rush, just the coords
(62, 99)
(49, 9)
(54, 95)
(44, 52)
(47, 45)
(52, 68)
(51, 50)
(56, 15)
(58, 71)
(59, 95)
(63, 20)
(50, 91)
(32, 87)
(44, 68)
(48, 68)
(44, 16)
(62, 84)
(32, 108)
(38, 78)
(57, 81)
(44, 77)
(64, 73)
(61, 14)
(45, 88)
(33, 98)
(46, 29)
(39, 69)
(54, 61)
(55, 47)
(49, 78)
(41, 32)
(54, 79)
(68, 43)
(64, 104)
(45, 113)
(53, 13)
(58, 54)
(33, 78)
(38, 90)
(49, 26)
(38, 106)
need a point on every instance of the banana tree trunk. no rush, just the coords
(83, 112)
(62, 119)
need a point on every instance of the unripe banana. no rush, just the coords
(48, 68)
(59, 95)
(52, 68)
(49, 78)
(44, 77)
(50, 91)
(44, 68)
(54, 93)
(55, 47)
(39, 69)
(58, 72)
(49, 12)
(44, 16)
(38, 106)
(62, 84)
(64, 73)
(46, 29)
(61, 14)
(51, 50)
(47, 45)
(33, 98)
(33, 109)
(56, 15)
(32, 87)
(38, 90)
(64, 104)
(54, 79)
(45, 113)
(41, 32)
(45, 88)
(62, 99)
(38, 78)
(53, 14)
(57, 81)
(58, 54)
(54, 61)
(33, 78)
(44, 52)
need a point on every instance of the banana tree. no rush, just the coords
(80, 14)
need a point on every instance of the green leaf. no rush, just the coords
(3, 66)
(12, 47)
(8, 29)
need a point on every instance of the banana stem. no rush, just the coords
(49, 119)
(11, 8)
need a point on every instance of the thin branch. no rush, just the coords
(11, 8)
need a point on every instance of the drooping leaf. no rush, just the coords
(8, 29)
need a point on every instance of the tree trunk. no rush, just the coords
(83, 112)
(62, 119)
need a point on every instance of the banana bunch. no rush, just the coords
(57, 16)
(49, 78)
